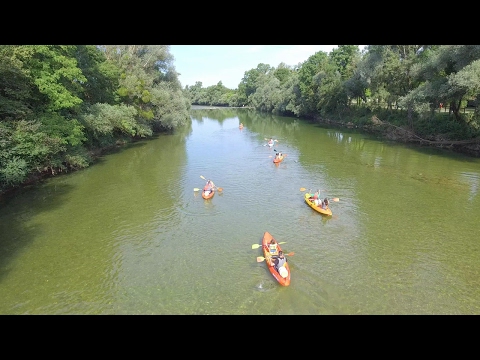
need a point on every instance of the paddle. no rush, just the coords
(256, 246)
(261, 258)
(334, 199)
(269, 144)
(215, 186)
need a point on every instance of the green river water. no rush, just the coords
(129, 235)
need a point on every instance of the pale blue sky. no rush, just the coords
(228, 63)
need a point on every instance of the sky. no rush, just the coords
(228, 63)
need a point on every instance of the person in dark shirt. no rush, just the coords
(279, 260)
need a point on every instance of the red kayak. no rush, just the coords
(279, 159)
(284, 281)
(208, 196)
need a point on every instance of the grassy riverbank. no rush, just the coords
(439, 130)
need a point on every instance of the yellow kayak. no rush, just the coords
(311, 203)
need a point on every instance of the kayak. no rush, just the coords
(266, 253)
(209, 196)
(310, 203)
(279, 159)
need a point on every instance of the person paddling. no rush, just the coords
(272, 247)
(279, 262)
(209, 186)
(279, 259)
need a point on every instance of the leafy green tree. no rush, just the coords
(310, 76)
(148, 80)
(106, 123)
(267, 94)
(18, 94)
(449, 75)
(102, 76)
(54, 70)
(345, 57)
(195, 93)
(282, 72)
(248, 84)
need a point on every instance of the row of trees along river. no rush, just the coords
(62, 104)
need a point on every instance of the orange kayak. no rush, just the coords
(278, 160)
(266, 253)
(310, 203)
(209, 196)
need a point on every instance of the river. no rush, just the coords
(129, 235)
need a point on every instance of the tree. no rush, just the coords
(449, 75)
(248, 84)
(345, 57)
(55, 72)
(309, 80)
(148, 78)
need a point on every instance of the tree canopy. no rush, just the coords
(58, 103)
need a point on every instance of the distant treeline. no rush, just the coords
(59, 104)
(408, 84)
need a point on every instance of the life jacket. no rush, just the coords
(272, 248)
(281, 261)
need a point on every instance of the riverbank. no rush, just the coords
(392, 132)
(35, 178)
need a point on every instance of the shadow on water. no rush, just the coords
(26, 202)
(22, 206)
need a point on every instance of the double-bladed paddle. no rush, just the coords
(261, 258)
(335, 199)
(256, 246)
(215, 186)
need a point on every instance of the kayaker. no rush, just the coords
(316, 198)
(279, 260)
(208, 187)
(325, 203)
(272, 247)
